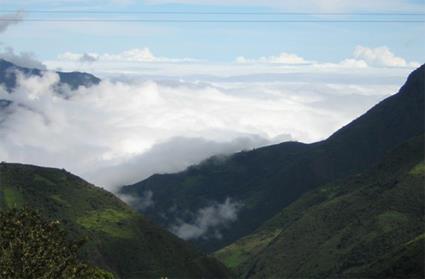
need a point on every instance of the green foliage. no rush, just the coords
(31, 247)
(12, 198)
(419, 169)
(237, 254)
(109, 221)
(391, 219)
(59, 200)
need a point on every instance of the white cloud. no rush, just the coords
(139, 55)
(362, 57)
(380, 57)
(283, 58)
(208, 221)
(23, 59)
(141, 63)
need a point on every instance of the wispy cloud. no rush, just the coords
(8, 20)
(137, 55)
(208, 221)
(140, 203)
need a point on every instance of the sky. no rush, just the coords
(175, 93)
(217, 42)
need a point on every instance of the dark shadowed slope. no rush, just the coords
(268, 179)
(120, 240)
(8, 76)
(365, 226)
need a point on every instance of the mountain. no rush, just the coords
(266, 180)
(120, 240)
(74, 80)
(366, 226)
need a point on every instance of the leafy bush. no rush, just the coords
(32, 247)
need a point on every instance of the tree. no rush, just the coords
(32, 247)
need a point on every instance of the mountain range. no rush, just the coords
(266, 180)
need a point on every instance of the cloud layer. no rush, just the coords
(118, 133)
(142, 64)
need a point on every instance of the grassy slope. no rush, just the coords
(267, 180)
(120, 239)
(369, 225)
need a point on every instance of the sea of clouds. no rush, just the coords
(120, 132)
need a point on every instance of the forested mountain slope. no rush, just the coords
(119, 239)
(365, 226)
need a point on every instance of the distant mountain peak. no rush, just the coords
(74, 80)
(416, 79)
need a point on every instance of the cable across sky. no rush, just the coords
(217, 13)
(208, 20)
(169, 16)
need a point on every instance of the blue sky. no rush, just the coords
(218, 42)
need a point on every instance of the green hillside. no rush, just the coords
(366, 226)
(120, 240)
(268, 179)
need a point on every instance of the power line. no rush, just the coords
(210, 21)
(218, 13)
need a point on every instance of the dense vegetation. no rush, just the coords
(366, 226)
(267, 180)
(31, 247)
(119, 240)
